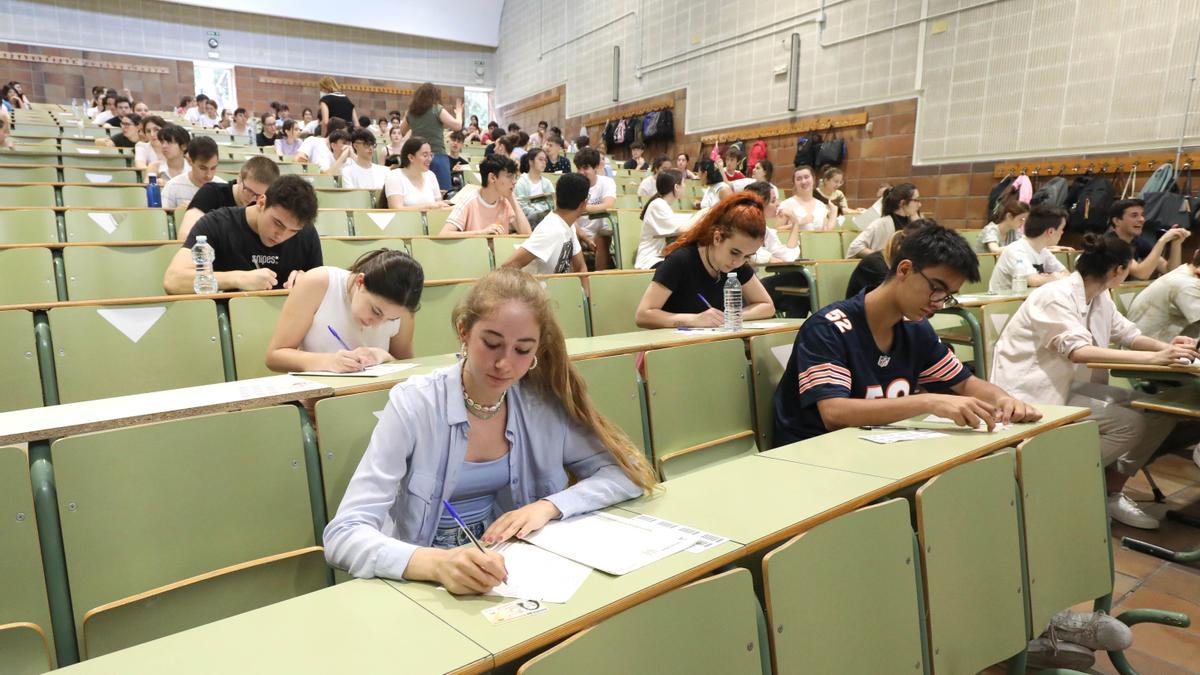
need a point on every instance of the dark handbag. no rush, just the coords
(1168, 209)
(831, 153)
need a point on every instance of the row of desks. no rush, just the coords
(756, 501)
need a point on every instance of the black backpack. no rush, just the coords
(1089, 213)
(807, 149)
(1054, 193)
(994, 195)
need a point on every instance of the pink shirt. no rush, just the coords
(475, 214)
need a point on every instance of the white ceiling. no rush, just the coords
(475, 22)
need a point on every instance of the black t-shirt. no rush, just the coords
(122, 141)
(683, 273)
(262, 140)
(560, 165)
(869, 273)
(633, 164)
(212, 196)
(1141, 247)
(238, 247)
(339, 106)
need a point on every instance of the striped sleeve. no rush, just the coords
(945, 371)
(824, 374)
(822, 369)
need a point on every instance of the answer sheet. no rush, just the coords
(610, 543)
(371, 371)
(537, 574)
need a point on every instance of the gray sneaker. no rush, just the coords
(1043, 653)
(1093, 630)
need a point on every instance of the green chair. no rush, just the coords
(569, 302)
(987, 263)
(845, 596)
(972, 237)
(768, 359)
(504, 246)
(12, 158)
(252, 321)
(102, 160)
(87, 225)
(28, 174)
(28, 226)
(94, 196)
(713, 625)
(27, 276)
(616, 389)
(452, 258)
(25, 641)
(389, 224)
(332, 223)
(322, 181)
(1068, 553)
(343, 199)
(344, 428)
(682, 438)
(995, 317)
(628, 234)
(614, 300)
(435, 220)
(830, 278)
(822, 245)
(145, 507)
(433, 334)
(98, 272)
(1122, 297)
(343, 252)
(30, 196)
(1067, 258)
(130, 349)
(627, 202)
(968, 524)
(20, 379)
(77, 175)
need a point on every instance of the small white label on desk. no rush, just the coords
(87, 151)
(998, 322)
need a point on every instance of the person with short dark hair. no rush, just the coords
(128, 138)
(1032, 256)
(193, 113)
(241, 131)
(595, 227)
(319, 150)
(553, 247)
(203, 159)
(287, 144)
(493, 129)
(361, 171)
(257, 247)
(255, 176)
(874, 359)
(171, 160)
(268, 134)
(1127, 218)
(458, 163)
(636, 161)
(556, 161)
(211, 117)
(732, 160)
(518, 150)
(682, 164)
(494, 209)
(900, 204)
(538, 138)
(647, 188)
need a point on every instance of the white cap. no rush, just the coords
(201, 239)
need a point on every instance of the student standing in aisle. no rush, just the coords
(553, 248)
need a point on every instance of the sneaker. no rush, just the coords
(1123, 510)
(1043, 653)
(1094, 630)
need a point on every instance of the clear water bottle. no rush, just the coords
(153, 193)
(203, 255)
(1020, 283)
(733, 302)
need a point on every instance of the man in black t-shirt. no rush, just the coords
(1127, 218)
(252, 182)
(258, 247)
(128, 123)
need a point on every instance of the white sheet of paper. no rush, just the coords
(783, 353)
(609, 543)
(382, 220)
(87, 151)
(900, 436)
(105, 221)
(537, 574)
(701, 330)
(133, 322)
(98, 177)
(371, 371)
(707, 539)
(764, 324)
(935, 419)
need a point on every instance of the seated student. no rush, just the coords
(1126, 219)
(147, 150)
(733, 159)
(173, 141)
(682, 162)
(494, 209)
(287, 145)
(688, 289)
(493, 129)
(210, 119)
(538, 138)
(832, 179)
(202, 156)
(807, 206)
(873, 269)
(1031, 255)
(129, 135)
(513, 406)
(192, 114)
(395, 142)
(636, 161)
(556, 161)
(340, 149)
(267, 135)
(458, 163)
(761, 173)
(649, 185)
(995, 236)
(414, 187)
(360, 170)
(773, 248)
(716, 189)
(255, 176)
(595, 228)
(874, 359)
(6, 143)
(535, 192)
(265, 245)
(901, 203)
(553, 248)
(505, 146)
(121, 106)
(659, 221)
(1170, 305)
(318, 149)
(241, 131)
(370, 306)
(1073, 321)
(519, 149)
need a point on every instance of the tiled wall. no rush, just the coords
(160, 29)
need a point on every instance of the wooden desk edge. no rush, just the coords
(1166, 408)
(1146, 368)
(683, 341)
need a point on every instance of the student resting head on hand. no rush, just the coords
(497, 435)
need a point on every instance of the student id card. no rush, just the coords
(511, 611)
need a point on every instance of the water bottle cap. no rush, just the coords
(153, 179)
(201, 239)
(731, 275)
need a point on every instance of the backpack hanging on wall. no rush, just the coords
(1089, 213)
(609, 128)
(1168, 208)
(1054, 193)
(831, 153)
(807, 147)
(1160, 181)
(620, 131)
(758, 152)
(658, 126)
(994, 195)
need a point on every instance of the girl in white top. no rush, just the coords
(395, 142)
(172, 142)
(346, 320)
(413, 187)
(901, 204)
(714, 178)
(534, 192)
(774, 249)
(995, 236)
(807, 206)
(148, 150)
(659, 221)
(1066, 324)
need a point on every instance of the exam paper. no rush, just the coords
(370, 371)
(900, 436)
(934, 419)
(609, 543)
(537, 574)
(706, 540)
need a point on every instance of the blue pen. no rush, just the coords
(339, 339)
(461, 524)
(698, 295)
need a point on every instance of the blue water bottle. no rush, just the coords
(153, 194)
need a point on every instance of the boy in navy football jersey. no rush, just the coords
(874, 359)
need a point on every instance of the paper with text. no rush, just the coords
(379, 370)
(609, 543)
(706, 540)
(538, 574)
(900, 436)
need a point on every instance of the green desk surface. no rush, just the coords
(909, 462)
(981, 299)
(354, 627)
(636, 341)
(1183, 401)
(599, 597)
(750, 498)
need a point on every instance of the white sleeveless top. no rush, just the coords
(335, 311)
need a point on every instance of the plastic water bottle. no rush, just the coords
(1020, 283)
(203, 255)
(153, 194)
(733, 302)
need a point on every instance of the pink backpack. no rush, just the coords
(758, 152)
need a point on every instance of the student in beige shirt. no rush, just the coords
(1170, 306)
(901, 203)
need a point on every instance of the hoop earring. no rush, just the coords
(534, 366)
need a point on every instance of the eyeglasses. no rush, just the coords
(252, 193)
(937, 294)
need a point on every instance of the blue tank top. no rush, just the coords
(475, 493)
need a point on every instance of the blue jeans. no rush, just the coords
(441, 168)
(453, 537)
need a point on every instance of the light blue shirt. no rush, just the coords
(394, 501)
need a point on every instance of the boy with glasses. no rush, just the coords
(874, 359)
(255, 176)
(360, 170)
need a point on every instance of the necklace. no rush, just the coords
(483, 412)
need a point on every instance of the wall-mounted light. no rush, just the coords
(616, 95)
(794, 74)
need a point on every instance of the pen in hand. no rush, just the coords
(462, 526)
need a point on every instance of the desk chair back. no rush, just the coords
(99, 196)
(768, 359)
(87, 225)
(618, 392)
(252, 323)
(31, 196)
(389, 223)
(99, 272)
(27, 276)
(25, 638)
(329, 198)
(820, 245)
(832, 277)
(28, 226)
(72, 174)
(614, 301)
(29, 174)
(332, 223)
(343, 252)
(20, 379)
(466, 258)
(433, 332)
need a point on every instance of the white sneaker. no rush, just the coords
(1123, 510)
(1044, 653)
(1094, 630)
